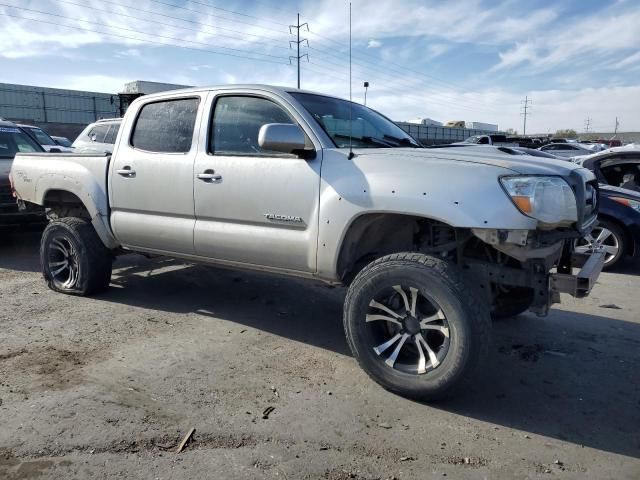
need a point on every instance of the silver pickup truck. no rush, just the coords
(431, 243)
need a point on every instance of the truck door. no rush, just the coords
(151, 175)
(254, 206)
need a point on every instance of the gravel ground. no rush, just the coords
(106, 387)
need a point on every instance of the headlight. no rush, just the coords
(547, 199)
(629, 203)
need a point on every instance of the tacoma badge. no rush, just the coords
(283, 218)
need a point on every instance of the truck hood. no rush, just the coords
(491, 156)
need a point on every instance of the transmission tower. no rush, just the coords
(297, 42)
(525, 112)
(587, 124)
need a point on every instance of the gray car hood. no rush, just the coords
(521, 164)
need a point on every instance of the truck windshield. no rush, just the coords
(13, 140)
(369, 129)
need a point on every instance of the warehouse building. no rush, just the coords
(66, 112)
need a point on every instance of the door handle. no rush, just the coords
(209, 176)
(126, 172)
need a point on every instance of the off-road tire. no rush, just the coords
(512, 303)
(94, 260)
(467, 316)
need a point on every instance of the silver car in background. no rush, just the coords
(98, 137)
(566, 150)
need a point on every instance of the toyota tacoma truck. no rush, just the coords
(430, 243)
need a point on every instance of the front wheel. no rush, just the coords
(415, 326)
(607, 237)
(74, 259)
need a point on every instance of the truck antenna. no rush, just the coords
(351, 154)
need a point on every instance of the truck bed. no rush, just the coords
(85, 173)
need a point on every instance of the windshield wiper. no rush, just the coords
(403, 141)
(378, 142)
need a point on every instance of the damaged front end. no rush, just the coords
(541, 261)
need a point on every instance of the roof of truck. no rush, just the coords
(256, 86)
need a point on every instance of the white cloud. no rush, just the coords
(461, 21)
(374, 44)
(130, 52)
(577, 43)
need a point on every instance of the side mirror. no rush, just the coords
(55, 150)
(281, 137)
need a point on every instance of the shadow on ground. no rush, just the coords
(570, 376)
(20, 247)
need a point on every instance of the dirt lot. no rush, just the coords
(106, 387)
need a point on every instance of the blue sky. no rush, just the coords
(468, 59)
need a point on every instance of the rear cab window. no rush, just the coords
(166, 126)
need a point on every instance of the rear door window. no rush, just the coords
(166, 126)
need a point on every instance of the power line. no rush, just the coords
(181, 7)
(208, 5)
(143, 40)
(394, 79)
(149, 12)
(525, 113)
(136, 31)
(298, 41)
(376, 59)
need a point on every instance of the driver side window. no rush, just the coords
(237, 121)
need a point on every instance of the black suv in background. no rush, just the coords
(14, 139)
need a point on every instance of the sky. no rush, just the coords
(472, 60)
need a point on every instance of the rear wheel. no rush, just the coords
(74, 259)
(607, 237)
(415, 327)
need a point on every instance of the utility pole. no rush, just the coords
(298, 41)
(615, 131)
(587, 124)
(525, 107)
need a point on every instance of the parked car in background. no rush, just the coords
(618, 230)
(534, 152)
(488, 140)
(618, 166)
(565, 150)
(14, 140)
(44, 139)
(284, 181)
(98, 137)
(62, 141)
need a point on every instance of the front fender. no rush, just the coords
(459, 194)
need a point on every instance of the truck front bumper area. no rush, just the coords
(538, 275)
(579, 285)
